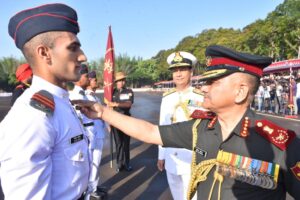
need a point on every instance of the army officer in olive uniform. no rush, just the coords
(237, 154)
(122, 101)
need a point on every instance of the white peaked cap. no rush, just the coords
(181, 59)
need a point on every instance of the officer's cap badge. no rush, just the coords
(177, 57)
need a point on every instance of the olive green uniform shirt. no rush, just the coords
(255, 146)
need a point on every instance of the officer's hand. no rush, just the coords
(112, 104)
(91, 109)
(161, 165)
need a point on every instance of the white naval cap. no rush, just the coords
(181, 59)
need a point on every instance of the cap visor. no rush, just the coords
(215, 74)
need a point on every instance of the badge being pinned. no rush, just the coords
(43, 101)
(296, 170)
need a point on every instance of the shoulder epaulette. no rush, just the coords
(197, 91)
(44, 101)
(277, 135)
(169, 92)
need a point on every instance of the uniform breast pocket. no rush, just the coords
(76, 152)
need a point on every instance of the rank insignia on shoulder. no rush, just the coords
(296, 170)
(43, 100)
(169, 92)
(200, 114)
(277, 135)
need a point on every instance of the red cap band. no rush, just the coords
(226, 61)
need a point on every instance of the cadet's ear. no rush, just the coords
(242, 93)
(43, 53)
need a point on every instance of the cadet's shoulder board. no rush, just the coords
(43, 100)
(197, 91)
(169, 92)
(277, 135)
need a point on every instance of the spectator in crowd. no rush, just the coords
(298, 95)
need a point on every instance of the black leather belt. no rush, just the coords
(88, 124)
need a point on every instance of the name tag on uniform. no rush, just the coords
(77, 138)
(124, 96)
(200, 151)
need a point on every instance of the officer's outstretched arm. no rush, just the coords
(137, 128)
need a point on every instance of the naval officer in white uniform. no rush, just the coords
(43, 148)
(177, 105)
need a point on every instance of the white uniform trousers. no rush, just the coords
(95, 168)
(179, 185)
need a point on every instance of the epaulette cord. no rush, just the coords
(277, 135)
(169, 92)
(43, 100)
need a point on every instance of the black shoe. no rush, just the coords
(119, 169)
(97, 195)
(102, 189)
(128, 168)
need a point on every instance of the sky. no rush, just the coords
(142, 28)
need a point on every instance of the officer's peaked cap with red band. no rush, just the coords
(222, 61)
(50, 17)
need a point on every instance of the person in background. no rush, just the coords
(122, 101)
(293, 84)
(177, 105)
(78, 92)
(298, 96)
(97, 139)
(43, 148)
(237, 154)
(24, 77)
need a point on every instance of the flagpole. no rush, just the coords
(108, 76)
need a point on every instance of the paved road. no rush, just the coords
(144, 182)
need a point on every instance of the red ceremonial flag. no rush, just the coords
(108, 72)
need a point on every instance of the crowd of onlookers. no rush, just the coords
(277, 95)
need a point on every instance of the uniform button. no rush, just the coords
(175, 153)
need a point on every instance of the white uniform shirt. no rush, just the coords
(177, 160)
(43, 156)
(99, 125)
(76, 94)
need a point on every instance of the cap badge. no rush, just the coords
(178, 57)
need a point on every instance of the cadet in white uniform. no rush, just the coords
(78, 92)
(177, 105)
(43, 148)
(97, 140)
